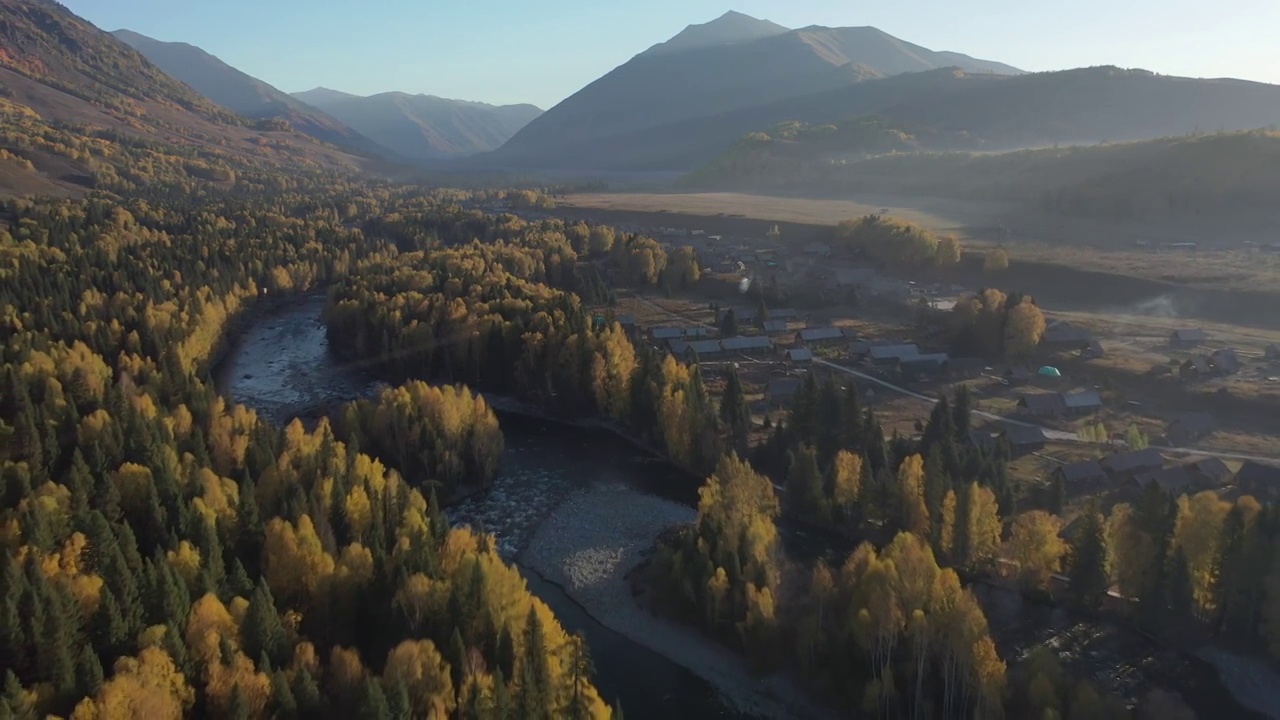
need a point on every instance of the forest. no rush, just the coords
(167, 554)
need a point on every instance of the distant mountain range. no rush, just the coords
(728, 65)
(241, 93)
(684, 102)
(423, 127)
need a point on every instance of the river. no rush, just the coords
(282, 367)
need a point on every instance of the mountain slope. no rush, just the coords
(660, 87)
(425, 127)
(81, 110)
(242, 93)
(964, 112)
(321, 96)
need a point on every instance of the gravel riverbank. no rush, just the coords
(587, 546)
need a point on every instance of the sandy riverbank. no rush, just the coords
(588, 545)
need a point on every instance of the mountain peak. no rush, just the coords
(730, 28)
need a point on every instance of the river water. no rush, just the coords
(282, 367)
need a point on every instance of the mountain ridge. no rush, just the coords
(242, 93)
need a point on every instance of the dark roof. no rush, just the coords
(1212, 468)
(775, 325)
(1132, 460)
(1171, 480)
(626, 319)
(1082, 399)
(1225, 360)
(666, 333)
(818, 334)
(703, 347)
(1042, 402)
(799, 354)
(1255, 473)
(894, 352)
(1195, 424)
(1066, 335)
(782, 387)
(1081, 471)
(751, 342)
(1190, 335)
(698, 332)
(1022, 435)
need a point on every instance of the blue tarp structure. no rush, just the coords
(1048, 371)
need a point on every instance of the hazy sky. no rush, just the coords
(507, 51)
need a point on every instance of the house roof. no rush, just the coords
(749, 342)
(1082, 399)
(1042, 402)
(775, 326)
(1020, 435)
(678, 346)
(666, 333)
(1171, 479)
(626, 319)
(1190, 335)
(799, 354)
(891, 352)
(818, 334)
(698, 332)
(983, 440)
(704, 347)
(1255, 473)
(1225, 359)
(1132, 460)
(1081, 471)
(782, 387)
(1192, 423)
(1211, 467)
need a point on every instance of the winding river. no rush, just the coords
(281, 366)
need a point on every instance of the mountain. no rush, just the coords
(957, 111)
(81, 110)
(732, 27)
(424, 127)
(241, 93)
(719, 68)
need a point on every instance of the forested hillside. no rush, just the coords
(80, 110)
(1205, 175)
(167, 554)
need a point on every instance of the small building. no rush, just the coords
(1132, 462)
(1210, 472)
(1190, 427)
(1259, 480)
(1225, 362)
(1024, 439)
(745, 315)
(774, 327)
(781, 391)
(1082, 402)
(1017, 375)
(626, 320)
(800, 355)
(1188, 338)
(1081, 477)
(746, 343)
(666, 333)
(702, 349)
(1175, 481)
(1093, 351)
(922, 367)
(784, 314)
(892, 354)
(817, 335)
(1042, 404)
(1064, 336)
(965, 368)
(1195, 369)
(678, 347)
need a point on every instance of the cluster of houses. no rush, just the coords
(1219, 363)
(1060, 404)
(1141, 468)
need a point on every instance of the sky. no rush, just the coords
(513, 51)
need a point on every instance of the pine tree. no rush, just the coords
(535, 677)
(398, 700)
(15, 704)
(88, 671)
(307, 693)
(581, 669)
(1088, 559)
(286, 706)
(262, 630)
(733, 412)
(237, 709)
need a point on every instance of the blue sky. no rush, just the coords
(507, 51)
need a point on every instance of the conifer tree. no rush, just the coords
(374, 706)
(1087, 568)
